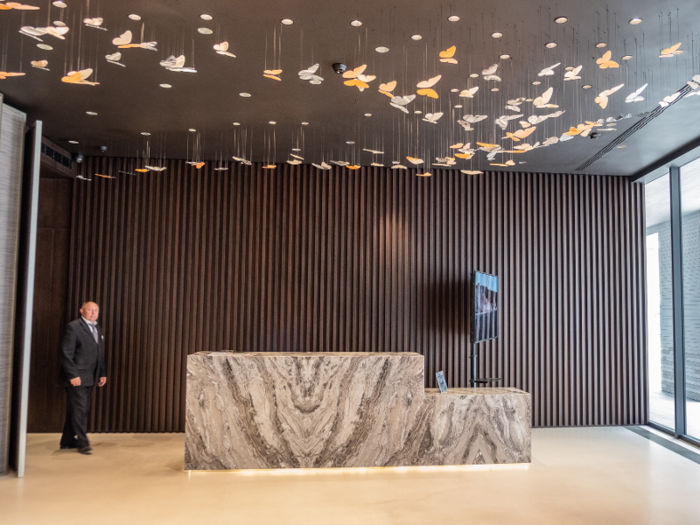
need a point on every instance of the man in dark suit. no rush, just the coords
(82, 366)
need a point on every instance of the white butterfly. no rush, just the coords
(114, 58)
(573, 74)
(173, 62)
(543, 101)
(490, 73)
(637, 95)
(670, 98)
(94, 22)
(373, 151)
(502, 121)
(400, 102)
(602, 98)
(310, 74)
(294, 162)
(550, 141)
(222, 49)
(340, 162)
(548, 71)
(432, 117)
(322, 166)
(40, 64)
(398, 167)
(469, 93)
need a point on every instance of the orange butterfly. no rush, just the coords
(448, 54)
(425, 87)
(605, 63)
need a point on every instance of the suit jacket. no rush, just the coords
(81, 355)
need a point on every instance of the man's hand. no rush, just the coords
(75, 381)
(101, 382)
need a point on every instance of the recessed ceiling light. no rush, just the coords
(206, 17)
(73, 142)
(622, 146)
(287, 21)
(236, 123)
(536, 83)
(550, 45)
(205, 31)
(496, 35)
(296, 149)
(417, 112)
(495, 89)
(474, 75)
(416, 37)
(58, 23)
(135, 17)
(453, 18)
(454, 90)
(349, 142)
(368, 114)
(273, 122)
(382, 49)
(192, 130)
(59, 3)
(355, 23)
(45, 47)
(569, 68)
(636, 21)
(587, 86)
(166, 86)
(601, 45)
(91, 113)
(561, 20)
(627, 57)
(145, 133)
(504, 57)
(304, 123)
(458, 106)
(244, 95)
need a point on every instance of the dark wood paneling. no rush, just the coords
(370, 260)
(51, 308)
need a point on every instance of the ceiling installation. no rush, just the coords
(572, 86)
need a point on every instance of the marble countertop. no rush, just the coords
(479, 391)
(231, 353)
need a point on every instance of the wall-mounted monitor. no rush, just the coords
(484, 307)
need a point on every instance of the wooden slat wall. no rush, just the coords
(377, 260)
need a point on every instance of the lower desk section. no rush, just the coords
(323, 410)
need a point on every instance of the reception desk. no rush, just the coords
(319, 410)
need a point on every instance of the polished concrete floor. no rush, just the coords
(593, 476)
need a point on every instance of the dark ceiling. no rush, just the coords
(129, 101)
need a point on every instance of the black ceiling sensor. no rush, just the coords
(339, 68)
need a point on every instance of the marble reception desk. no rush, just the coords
(315, 410)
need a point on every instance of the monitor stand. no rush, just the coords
(475, 381)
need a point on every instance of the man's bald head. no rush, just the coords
(90, 311)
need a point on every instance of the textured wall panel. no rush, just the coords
(372, 260)
(11, 150)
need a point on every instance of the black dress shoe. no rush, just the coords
(68, 447)
(85, 450)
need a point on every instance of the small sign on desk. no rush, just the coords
(441, 381)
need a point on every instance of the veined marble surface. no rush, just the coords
(300, 410)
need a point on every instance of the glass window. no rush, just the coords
(690, 228)
(660, 302)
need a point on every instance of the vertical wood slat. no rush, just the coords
(375, 260)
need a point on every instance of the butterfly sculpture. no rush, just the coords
(357, 78)
(40, 64)
(605, 61)
(402, 102)
(548, 71)
(123, 41)
(469, 93)
(636, 96)
(95, 23)
(309, 74)
(672, 51)
(602, 98)
(114, 58)
(5, 74)
(490, 73)
(273, 74)
(425, 88)
(79, 77)
(222, 49)
(573, 74)
(388, 88)
(448, 55)
(17, 6)
(543, 101)
(432, 117)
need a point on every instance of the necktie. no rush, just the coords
(93, 328)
